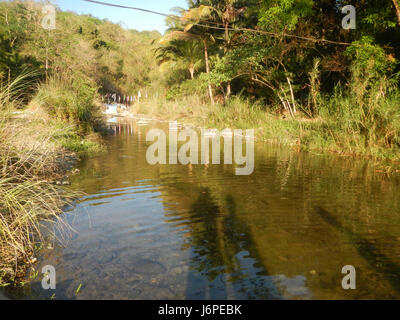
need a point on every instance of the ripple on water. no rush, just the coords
(176, 232)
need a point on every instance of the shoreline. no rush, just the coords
(384, 166)
(39, 169)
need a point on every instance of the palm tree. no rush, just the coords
(189, 52)
(178, 31)
(224, 11)
(228, 15)
(190, 19)
(205, 38)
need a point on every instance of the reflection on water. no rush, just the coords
(201, 232)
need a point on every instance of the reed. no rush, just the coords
(360, 119)
(73, 100)
(30, 203)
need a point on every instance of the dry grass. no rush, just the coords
(28, 198)
(30, 203)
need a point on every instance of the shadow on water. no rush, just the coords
(367, 250)
(221, 247)
(206, 256)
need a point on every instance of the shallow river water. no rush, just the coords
(201, 232)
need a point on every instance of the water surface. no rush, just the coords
(200, 232)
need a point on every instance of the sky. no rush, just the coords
(128, 18)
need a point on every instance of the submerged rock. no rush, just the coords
(148, 267)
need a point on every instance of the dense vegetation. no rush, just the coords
(336, 88)
(291, 66)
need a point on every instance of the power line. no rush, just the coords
(126, 7)
(274, 34)
(150, 11)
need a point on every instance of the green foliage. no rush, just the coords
(73, 101)
(14, 30)
(118, 60)
(223, 69)
(346, 96)
(189, 53)
(188, 88)
(83, 147)
(376, 17)
(284, 14)
(369, 56)
(365, 118)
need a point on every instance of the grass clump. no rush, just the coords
(364, 119)
(27, 196)
(37, 146)
(73, 107)
(361, 118)
(68, 138)
(74, 101)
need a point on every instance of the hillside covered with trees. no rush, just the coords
(97, 51)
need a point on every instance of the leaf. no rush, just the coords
(188, 27)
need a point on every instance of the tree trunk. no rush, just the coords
(210, 93)
(292, 95)
(397, 9)
(191, 71)
(226, 36)
(228, 91)
(228, 86)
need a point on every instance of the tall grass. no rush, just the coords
(365, 118)
(29, 160)
(362, 118)
(72, 104)
(11, 93)
(72, 100)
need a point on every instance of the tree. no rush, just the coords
(219, 11)
(228, 14)
(189, 52)
(397, 9)
(14, 26)
(190, 19)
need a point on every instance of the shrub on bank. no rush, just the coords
(29, 164)
(73, 101)
(361, 119)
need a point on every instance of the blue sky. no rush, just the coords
(130, 18)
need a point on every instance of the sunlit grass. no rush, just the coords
(30, 202)
(362, 120)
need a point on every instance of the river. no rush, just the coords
(201, 232)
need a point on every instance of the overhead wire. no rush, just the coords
(270, 33)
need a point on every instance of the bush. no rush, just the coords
(188, 88)
(364, 117)
(73, 101)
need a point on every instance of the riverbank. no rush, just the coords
(37, 155)
(165, 214)
(320, 134)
